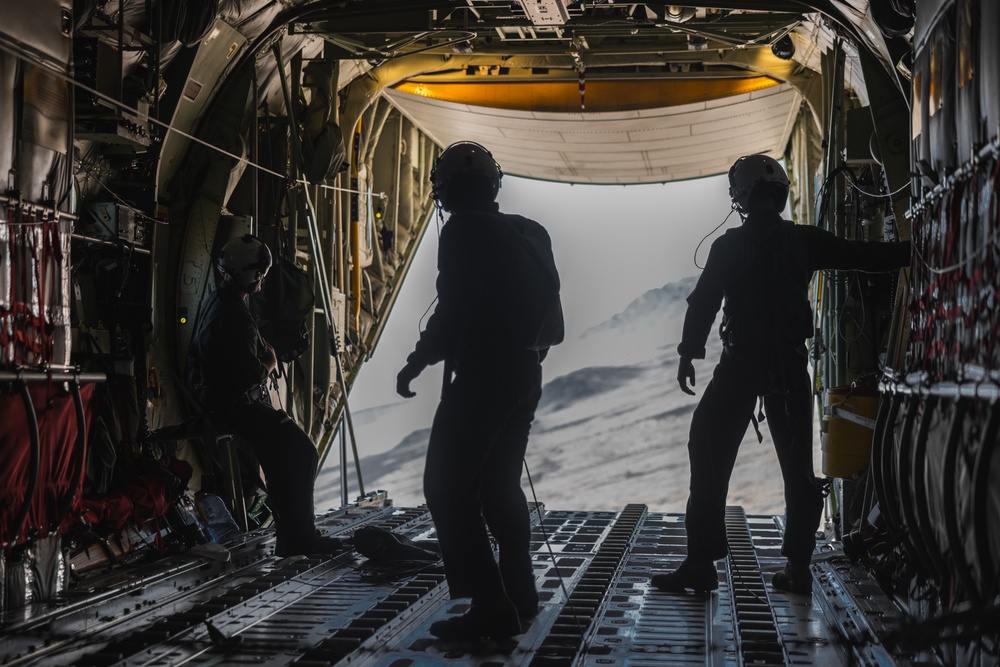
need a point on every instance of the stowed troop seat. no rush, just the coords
(206, 430)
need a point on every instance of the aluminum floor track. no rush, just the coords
(597, 606)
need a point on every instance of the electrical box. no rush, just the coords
(546, 12)
(109, 221)
(99, 67)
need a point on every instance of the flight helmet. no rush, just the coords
(245, 260)
(465, 164)
(750, 171)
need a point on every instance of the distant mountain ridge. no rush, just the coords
(667, 302)
(585, 383)
(611, 427)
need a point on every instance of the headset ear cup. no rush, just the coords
(732, 173)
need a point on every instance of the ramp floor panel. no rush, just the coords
(592, 570)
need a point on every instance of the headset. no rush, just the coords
(466, 157)
(748, 172)
(245, 260)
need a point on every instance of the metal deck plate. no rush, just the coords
(592, 572)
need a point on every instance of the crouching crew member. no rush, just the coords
(229, 364)
(762, 272)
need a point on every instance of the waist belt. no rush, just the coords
(254, 394)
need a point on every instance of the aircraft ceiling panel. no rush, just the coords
(531, 132)
(702, 149)
(517, 146)
(737, 125)
(649, 146)
(665, 133)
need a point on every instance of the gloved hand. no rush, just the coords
(685, 372)
(268, 357)
(407, 375)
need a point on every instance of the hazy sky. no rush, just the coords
(611, 244)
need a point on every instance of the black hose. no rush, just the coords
(888, 407)
(33, 463)
(950, 502)
(927, 549)
(914, 421)
(982, 485)
(79, 456)
(921, 488)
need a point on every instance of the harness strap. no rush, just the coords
(255, 394)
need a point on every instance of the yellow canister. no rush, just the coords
(847, 444)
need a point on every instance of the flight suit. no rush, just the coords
(472, 477)
(228, 376)
(762, 270)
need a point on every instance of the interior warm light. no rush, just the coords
(602, 95)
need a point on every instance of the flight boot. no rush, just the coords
(524, 595)
(527, 610)
(695, 575)
(795, 578)
(313, 545)
(496, 620)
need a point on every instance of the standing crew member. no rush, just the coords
(229, 365)
(497, 314)
(762, 270)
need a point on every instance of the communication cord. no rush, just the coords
(705, 237)
(552, 555)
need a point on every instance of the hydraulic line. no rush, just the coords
(904, 479)
(922, 489)
(356, 230)
(882, 458)
(982, 487)
(79, 457)
(950, 502)
(914, 486)
(33, 462)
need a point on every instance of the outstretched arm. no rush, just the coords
(829, 251)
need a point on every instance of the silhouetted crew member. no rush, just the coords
(497, 313)
(762, 270)
(229, 365)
